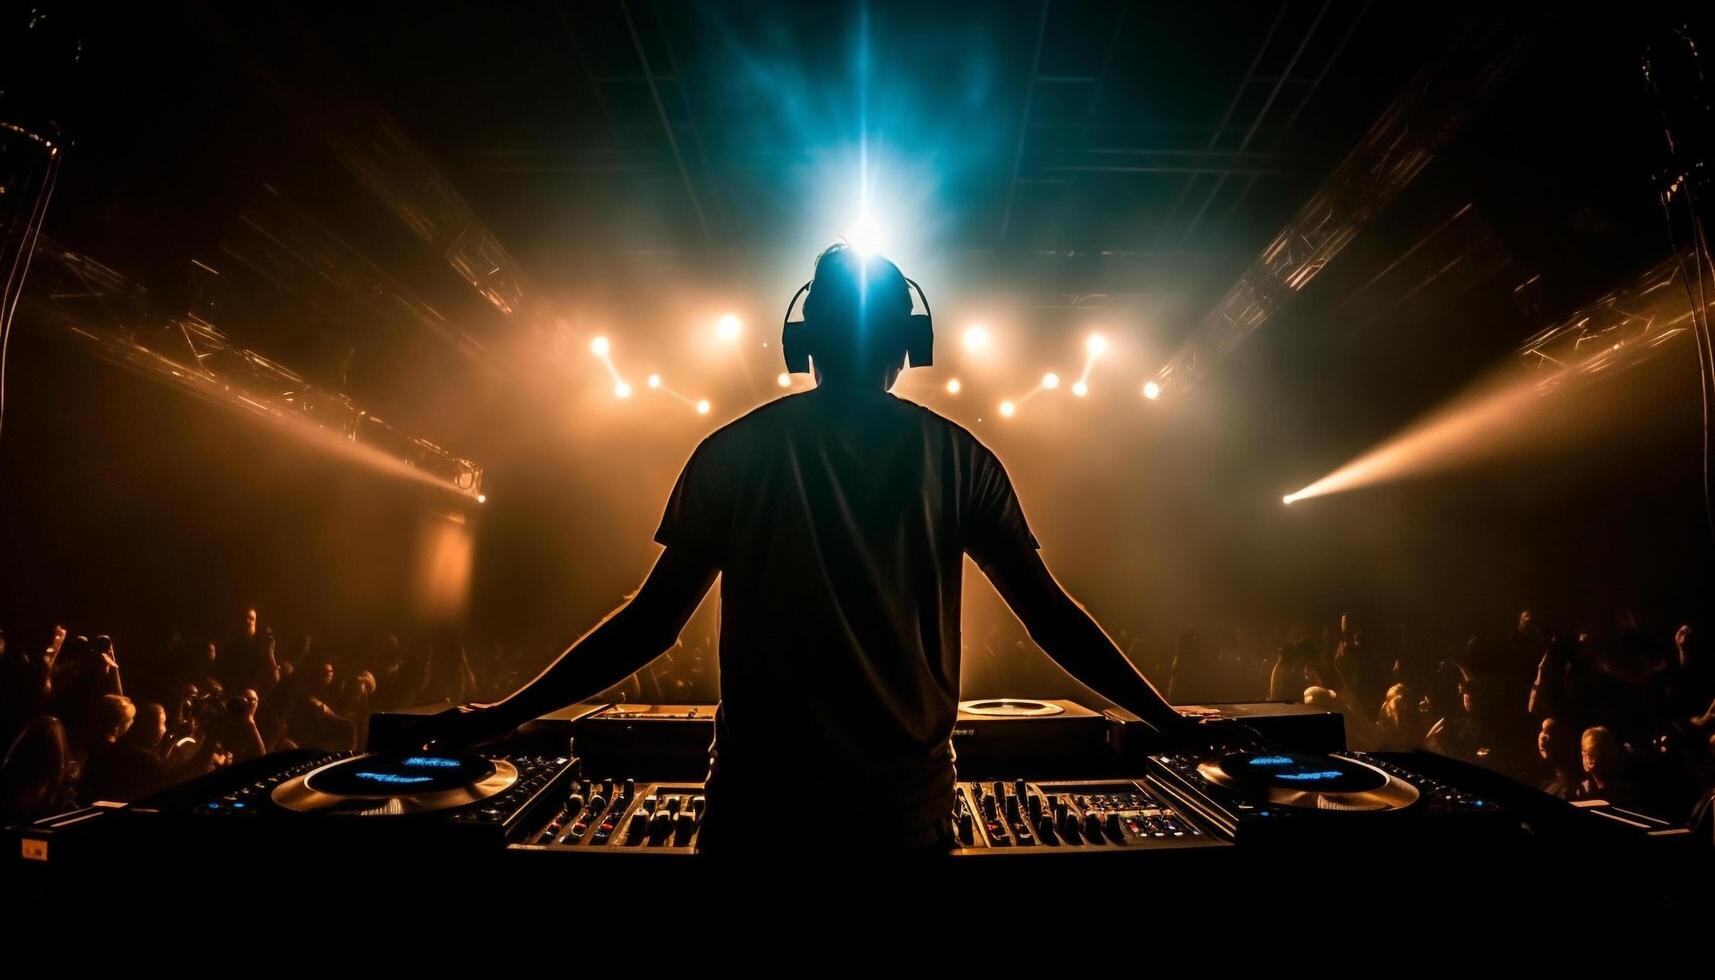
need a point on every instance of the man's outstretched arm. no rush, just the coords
(1066, 633)
(622, 644)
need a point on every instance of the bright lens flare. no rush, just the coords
(1007, 409)
(1151, 390)
(702, 406)
(1050, 381)
(654, 381)
(728, 328)
(599, 347)
(621, 390)
(482, 498)
(783, 379)
(953, 387)
(1096, 346)
(977, 339)
(865, 236)
(1080, 389)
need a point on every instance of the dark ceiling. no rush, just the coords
(1064, 126)
(392, 194)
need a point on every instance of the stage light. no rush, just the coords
(703, 406)
(1288, 499)
(1050, 381)
(1097, 345)
(1007, 408)
(1080, 389)
(1151, 390)
(654, 381)
(621, 390)
(977, 339)
(953, 387)
(784, 380)
(482, 498)
(727, 328)
(598, 347)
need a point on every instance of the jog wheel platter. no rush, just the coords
(379, 785)
(1312, 782)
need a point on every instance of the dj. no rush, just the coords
(837, 520)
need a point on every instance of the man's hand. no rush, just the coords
(450, 732)
(1067, 634)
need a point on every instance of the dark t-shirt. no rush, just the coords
(839, 522)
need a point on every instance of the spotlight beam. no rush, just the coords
(1094, 348)
(1634, 322)
(1484, 422)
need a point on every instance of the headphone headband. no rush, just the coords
(917, 333)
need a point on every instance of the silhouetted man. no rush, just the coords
(838, 521)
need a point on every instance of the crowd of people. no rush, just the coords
(1629, 718)
(84, 722)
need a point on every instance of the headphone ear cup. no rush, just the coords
(794, 347)
(919, 340)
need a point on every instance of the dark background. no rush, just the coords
(196, 131)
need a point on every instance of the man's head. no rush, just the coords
(1601, 753)
(1554, 746)
(149, 726)
(855, 318)
(114, 714)
(248, 622)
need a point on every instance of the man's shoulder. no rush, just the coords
(766, 416)
(935, 418)
(769, 420)
(960, 437)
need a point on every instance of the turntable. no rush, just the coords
(380, 785)
(376, 790)
(1259, 793)
(1316, 782)
(1011, 708)
(1003, 738)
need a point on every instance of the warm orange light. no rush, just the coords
(1050, 381)
(599, 347)
(703, 406)
(1007, 409)
(1151, 390)
(977, 338)
(953, 387)
(784, 380)
(727, 328)
(1080, 389)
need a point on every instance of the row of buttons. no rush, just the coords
(534, 772)
(251, 797)
(1437, 791)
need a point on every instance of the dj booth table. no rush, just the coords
(1266, 806)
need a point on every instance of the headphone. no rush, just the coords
(914, 332)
